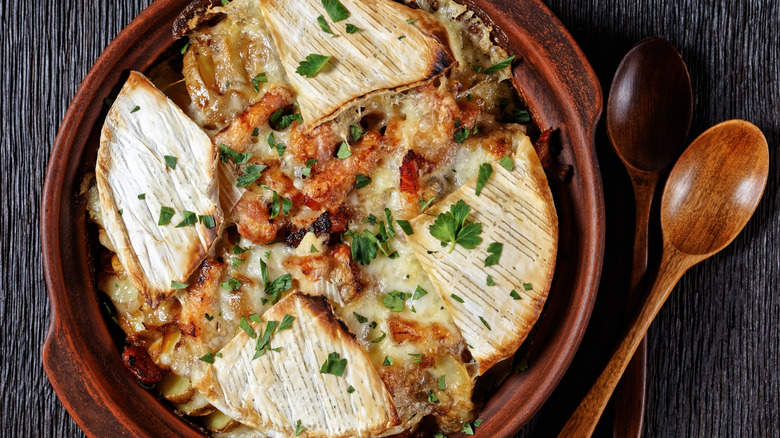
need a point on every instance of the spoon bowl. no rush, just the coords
(714, 188)
(709, 197)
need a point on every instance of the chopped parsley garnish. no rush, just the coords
(411, 20)
(176, 285)
(280, 203)
(419, 293)
(485, 323)
(521, 366)
(274, 288)
(457, 298)
(515, 295)
(298, 428)
(363, 248)
(324, 25)
(507, 163)
(231, 285)
(312, 65)
(227, 83)
(306, 171)
(336, 11)
(405, 226)
(439, 435)
(351, 389)
(265, 337)
(527, 286)
(360, 318)
(371, 219)
(372, 325)
(334, 364)
(208, 358)
(238, 250)
(425, 204)
(451, 227)
(135, 108)
(351, 28)
(281, 121)
(394, 300)
(499, 66)
(184, 49)
(356, 131)
(225, 2)
(380, 338)
(251, 174)
(388, 361)
(344, 151)
(166, 213)
(227, 153)
(109, 101)
(495, 249)
(247, 328)
(208, 221)
(255, 132)
(313, 249)
(361, 181)
(121, 211)
(190, 218)
(257, 80)
(517, 116)
(286, 323)
(485, 171)
(208, 317)
(142, 196)
(467, 429)
(280, 147)
(401, 37)
(432, 397)
(489, 281)
(469, 97)
(442, 384)
(170, 161)
(255, 317)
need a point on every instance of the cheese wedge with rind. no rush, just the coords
(387, 54)
(272, 392)
(141, 128)
(515, 208)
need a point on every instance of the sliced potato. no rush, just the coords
(176, 389)
(197, 406)
(219, 422)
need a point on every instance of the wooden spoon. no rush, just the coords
(648, 118)
(710, 195)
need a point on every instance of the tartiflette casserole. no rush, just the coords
(337, 230)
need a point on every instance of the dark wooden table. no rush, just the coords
(714, 351)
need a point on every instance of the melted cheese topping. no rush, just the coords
(421, 340)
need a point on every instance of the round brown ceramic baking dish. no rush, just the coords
(83, 361)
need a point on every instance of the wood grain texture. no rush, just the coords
(714, 350)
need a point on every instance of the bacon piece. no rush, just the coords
(238, 135)
(344, 273)
(138, 361)
(253, 219)
(320, 144)
(410, 174)
(336, 178)
(277, 180)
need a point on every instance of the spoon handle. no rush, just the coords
(586, 416)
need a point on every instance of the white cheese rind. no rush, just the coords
(142, 127)
(515, 208)
(387, 54)
(271, 393)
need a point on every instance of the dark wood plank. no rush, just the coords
(714, 352)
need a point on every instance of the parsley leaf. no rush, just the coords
(351, 389)
(388, 361)
(442, 385)
(324, 25)
(425, 204)
(467, 429)
(360, 318)
(184, 49)
(344, 151)
(313, 249)
(507, 163)
(170, 161)
(334, 364)
(135, 108)
(356, 131)
(176, 285)
(515, 295)
(247, 328)
(485, 323)
(306, 171)
(527, 286)
(231, 285)
(380, 338)
(406, 226)
(489, 281)
(499, 66)
(363, 250)
(280, 121)
(495, 250)
(265, 337)
(432, 397)
(361, 181)
(208, 221)
(227, 153)
(261, 77)
(286, 323)
(312, 65)
(351, 28)
(461, 135)
(419, 293)
(411, 20)
(166, 213)
(298, 428)
(142, 196)
(485, 171)
(394, 300)
(517, 116)
(251, 174)
(457, 298)
(190, 218)
(280, 147)
(336, 11)
(450, 227)
(208, 358)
